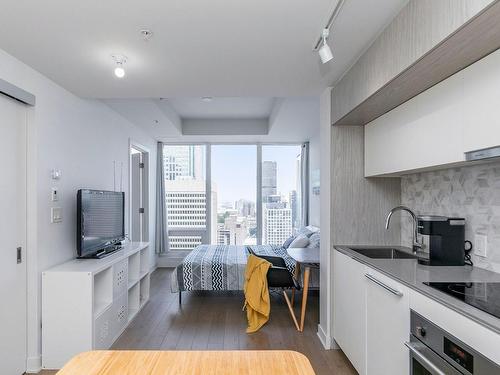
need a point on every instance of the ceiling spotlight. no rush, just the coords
(120, 61)
(146, 34)
(207, 99)
(325, 53)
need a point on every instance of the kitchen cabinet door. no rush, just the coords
(424, 132)
(482, 111)
(349, 319)
(387, 325)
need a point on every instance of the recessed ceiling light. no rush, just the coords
(146, 34)
(207, 99)
(120, 60)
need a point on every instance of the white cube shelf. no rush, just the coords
(87, 304)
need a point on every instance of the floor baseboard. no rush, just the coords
(325, 340)
(34, 365)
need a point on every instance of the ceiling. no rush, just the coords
(220, 108)
(221, 48)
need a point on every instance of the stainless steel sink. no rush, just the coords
(384, 253)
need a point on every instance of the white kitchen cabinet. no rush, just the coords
(349, 305)
(387, 325)
(481, 108)
(422, 133)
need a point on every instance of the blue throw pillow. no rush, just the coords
(304, 231)
(288, 241)
(314, 240)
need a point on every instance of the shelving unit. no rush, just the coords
(87, 304)
(144, 290)
(133, 301)
(103, 291)
(134, 266)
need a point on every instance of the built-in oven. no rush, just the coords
(434, 351)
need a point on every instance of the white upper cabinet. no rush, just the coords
(437, 127)
(424, 132)
(481, 104)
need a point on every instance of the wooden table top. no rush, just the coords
(149, 362)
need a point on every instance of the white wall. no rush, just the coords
(82, 138)
(325, 296)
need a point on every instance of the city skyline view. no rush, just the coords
(233, 189)
(237, 163)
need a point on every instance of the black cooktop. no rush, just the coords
(484, 296)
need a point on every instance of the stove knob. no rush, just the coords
(421, 331)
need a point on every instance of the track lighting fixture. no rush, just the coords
(325, 53)
(321, 45)
(120, 61)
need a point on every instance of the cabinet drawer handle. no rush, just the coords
(386, 287)
(423, 359)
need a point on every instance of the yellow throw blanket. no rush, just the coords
(257, 300)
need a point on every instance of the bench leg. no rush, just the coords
(180, 297)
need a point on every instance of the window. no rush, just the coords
(185, 186)
(234, 186)
(280, 192)
(230, 213)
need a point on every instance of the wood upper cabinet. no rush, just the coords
(349, 305)
(481, 104)
(387, 325)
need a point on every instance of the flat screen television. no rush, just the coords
(100, 222)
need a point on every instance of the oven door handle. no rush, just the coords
(425, 361)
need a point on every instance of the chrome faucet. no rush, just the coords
(415, 245)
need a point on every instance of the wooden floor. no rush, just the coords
(208, 320)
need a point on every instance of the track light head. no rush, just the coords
(325, 53)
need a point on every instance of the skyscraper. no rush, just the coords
(183, 161)
(269, 179)
(277, 224)
(186, 197)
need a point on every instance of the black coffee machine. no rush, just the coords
(446, 240)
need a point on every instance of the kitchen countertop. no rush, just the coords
(413, 275)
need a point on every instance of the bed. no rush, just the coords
(220, 267)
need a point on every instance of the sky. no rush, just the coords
(234, 169)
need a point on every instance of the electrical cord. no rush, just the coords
(468, 259)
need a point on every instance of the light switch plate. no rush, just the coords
(481, 245)
(56, 215)
(55, 194)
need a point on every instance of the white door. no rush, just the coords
(13, 237)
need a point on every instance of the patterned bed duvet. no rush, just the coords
(220, 267)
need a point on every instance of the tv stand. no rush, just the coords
(87, 304)
(106, 252)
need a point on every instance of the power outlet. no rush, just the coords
(56, 215)
(481, 245)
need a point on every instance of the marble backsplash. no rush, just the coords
(472, 192)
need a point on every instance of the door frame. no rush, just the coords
(145, 187)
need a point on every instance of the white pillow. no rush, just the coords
(300, 241)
